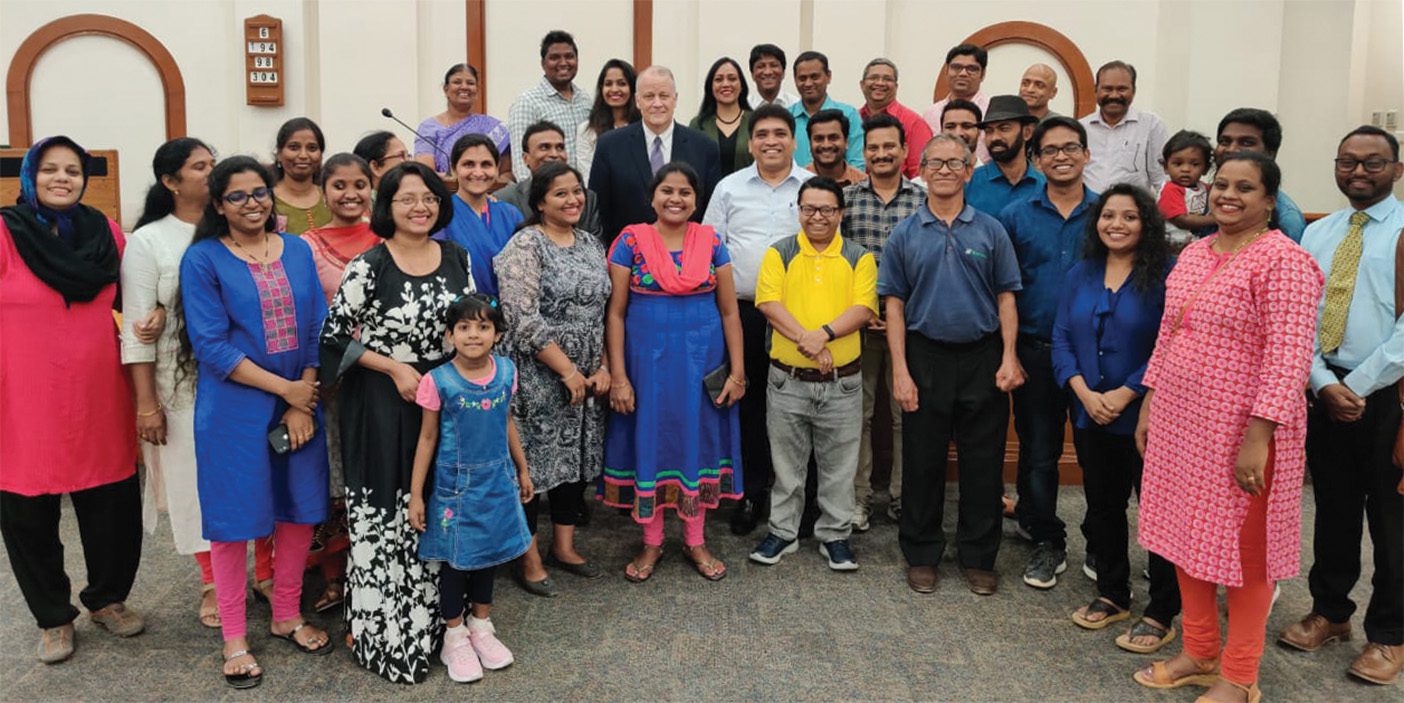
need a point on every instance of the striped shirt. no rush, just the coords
(542, 102)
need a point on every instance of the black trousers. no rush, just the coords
(565, 503)
(956, 399)
(1040, 411)
(1352, 473)
(1111, 469)
(756, 468)
(459, 589)
(109, 525)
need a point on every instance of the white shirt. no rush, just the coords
(749, 215)
(1126, 153)
(667, 137)
(585, 139)
(782, 98)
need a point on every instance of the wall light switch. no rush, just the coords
(1392, 120)
(1377, 118)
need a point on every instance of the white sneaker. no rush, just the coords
(458, 655)
(491, 652)
(860, 518)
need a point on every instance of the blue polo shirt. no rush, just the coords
(1047, 246)
(949, 276)
(990, 192)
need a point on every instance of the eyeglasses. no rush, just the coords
(825, 210)
(955, 165)
(881, 78)
(239, 196)
(410, 201)
(1346, 164)
(971, 68)
(1072, 149)
(397, 156)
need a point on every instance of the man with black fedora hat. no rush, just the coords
(1009, 175)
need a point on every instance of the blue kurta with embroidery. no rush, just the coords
(271, 315)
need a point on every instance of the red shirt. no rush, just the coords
(918, 133)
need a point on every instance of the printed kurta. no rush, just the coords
(1243, 350)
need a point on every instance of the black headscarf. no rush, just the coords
(82, 259)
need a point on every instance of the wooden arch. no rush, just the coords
(1046, 38)
(22, 69)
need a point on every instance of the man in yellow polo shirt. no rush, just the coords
(818, 291)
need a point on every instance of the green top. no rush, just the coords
(708, 126)
(300, 220)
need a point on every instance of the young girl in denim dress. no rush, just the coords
(473, 519)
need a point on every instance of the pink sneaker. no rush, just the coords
(491, 651)
(458, 655)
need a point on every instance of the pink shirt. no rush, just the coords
(933, 120)
(1243, 350)
(427, 396)
(66, 416)
(917, 131)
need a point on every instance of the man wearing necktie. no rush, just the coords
(626, 158)
(1355, 418)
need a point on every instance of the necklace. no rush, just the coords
(1252, 238)
(730, 121)
(262, 262)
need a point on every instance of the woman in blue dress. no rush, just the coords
(480, 225)
(672, 320)
(253, 308)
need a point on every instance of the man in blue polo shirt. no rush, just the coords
(1009, 175)
(1047, 231)
(949, 276)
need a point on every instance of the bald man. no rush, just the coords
(1038, 86)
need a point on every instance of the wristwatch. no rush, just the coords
(829, 331)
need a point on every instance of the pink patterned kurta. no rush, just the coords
(1244, 349)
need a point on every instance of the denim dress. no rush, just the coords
(474, 516)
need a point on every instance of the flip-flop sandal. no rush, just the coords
(209, 617)
(1159, 677)
(323, 650)
(244, 679)
(641, 573)
(712, 569)
(1110, 612)
(333, 595)
(1144, 628)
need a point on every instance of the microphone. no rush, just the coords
(387, 113)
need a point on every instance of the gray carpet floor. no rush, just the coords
(790, 632)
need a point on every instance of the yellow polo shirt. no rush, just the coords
(816, 287)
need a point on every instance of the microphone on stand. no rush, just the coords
(387, 113)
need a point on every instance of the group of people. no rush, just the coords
(366, 363)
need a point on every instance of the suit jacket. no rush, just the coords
(517, 194)
(620, 174)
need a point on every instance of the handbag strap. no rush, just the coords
(1203, 285)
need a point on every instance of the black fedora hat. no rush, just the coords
(1007, 107)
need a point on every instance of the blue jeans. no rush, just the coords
(1040, 412)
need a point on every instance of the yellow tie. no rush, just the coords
(1340, 286)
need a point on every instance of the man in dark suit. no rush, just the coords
(626, 158)
(543, 142)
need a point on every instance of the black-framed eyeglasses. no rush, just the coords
(1346, 164)
(1072, 149)
(955, 165)
(238, 197)
(825, 210)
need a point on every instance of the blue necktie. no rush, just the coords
(655, 157)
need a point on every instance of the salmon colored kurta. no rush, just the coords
(1243, 350)
(66, 416)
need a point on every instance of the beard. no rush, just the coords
(1007, 155)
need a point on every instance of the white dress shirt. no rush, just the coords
(749, 215)
(1128, 152)
(666, 135)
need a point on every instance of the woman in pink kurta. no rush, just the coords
(1224, 427)
(66, 418)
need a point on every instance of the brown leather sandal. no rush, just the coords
(1253, 693)
(1206, 674)
(209, 614)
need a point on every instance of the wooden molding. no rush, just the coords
(477, 47)
(1046, 38)
(17, 97)
(643, 34)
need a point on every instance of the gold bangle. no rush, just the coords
(572, 374)
(158, 409)
(740, 382)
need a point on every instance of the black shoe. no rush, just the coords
(749, 513)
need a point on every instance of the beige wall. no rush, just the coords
(1323, 65)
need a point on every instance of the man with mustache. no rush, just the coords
(965, 71)
(544, 142)
(556, 98)
(812, 77)
(1125, 142)
(961, 119)
(1010, 175)
(828, 142)
(1352, 426)
(1047, 230)
(879, 86)
(1037, 88)
(875, 206)
(1251, 129)
(768, 73)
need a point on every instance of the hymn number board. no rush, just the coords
(263, 60)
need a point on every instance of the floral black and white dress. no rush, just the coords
(555, 294)
(391, 595)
